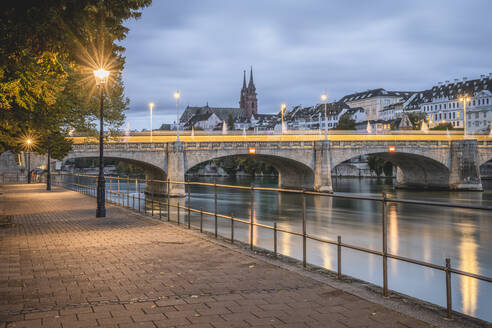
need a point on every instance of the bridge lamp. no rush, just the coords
(464, 100)
(252, 150)
(28, 147)
(323, 98)
(101, 76)
(177, 95)
(391, 149)
(151, 107)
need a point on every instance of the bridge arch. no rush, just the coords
(291, 173)
(414, 170)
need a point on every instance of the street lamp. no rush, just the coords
(28, 147)
(101, 76)
(282, 109)
(176, 96)
(151, 107)
(323, 98)
(464, 100)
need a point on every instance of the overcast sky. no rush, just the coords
(298, 49)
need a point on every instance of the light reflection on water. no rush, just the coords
(420, 232)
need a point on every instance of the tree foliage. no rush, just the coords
(443, 126)
(417, 119)
(345, 123)
(48, 50)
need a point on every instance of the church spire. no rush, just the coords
(251, 84)
(244, 80)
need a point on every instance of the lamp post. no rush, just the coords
(323, 98)
(151, 107)
(464, 99)
(176, 96)
(282, 109)
(28, 147)
(101, 76)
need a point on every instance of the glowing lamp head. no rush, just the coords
(29, 141)
(101, 75)
(151, 105)
(282, 107)
(391, 149)
(252, 150)
(324, 96)
(177, 95)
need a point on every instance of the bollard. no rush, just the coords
(449, 305)
(201, 219)
(215, 207)
(139, 201)
(339, 257)
(160, 207)
(232, 228)
(128, 192)
(275, 239)
(303, 228)
(178, 213)
(252, 204)
(385, 247)
(133, 201)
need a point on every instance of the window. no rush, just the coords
(436, 117)
(444, 115)
(487, 101)
(440, 116)
(444, 106)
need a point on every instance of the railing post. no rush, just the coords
(119, 201)
(449, 304)
(160, 209)
(133, 201)
(152, 184)
(215, 206)
(385, 246)
(339, 257)
(275, 239)
(189, 206)
(252, 205)
(128, 192)
(201, 219)
(303, 228)
(178, 213)
(168, 217)
(232, 228)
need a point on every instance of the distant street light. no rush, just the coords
(28, 147)
(151, 107)
(464, 100)
(101, 76)
(282, 109)
(323, 98)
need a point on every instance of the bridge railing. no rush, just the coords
(161, 206)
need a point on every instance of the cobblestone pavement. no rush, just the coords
(62, 267)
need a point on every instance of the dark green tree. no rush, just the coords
(417, 119)
(443, 126)
(345, 123)
(230, 122)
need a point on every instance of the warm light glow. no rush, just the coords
(391, 149)
(177, 95)
(252, 150)
(101, 75)
(151, 105)
(28, 141)
(324, 96)
(282, 107)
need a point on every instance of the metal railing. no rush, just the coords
(118, 197)
(13, 178)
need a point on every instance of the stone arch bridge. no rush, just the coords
(429, 164)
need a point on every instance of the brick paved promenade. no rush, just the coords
(62, 267)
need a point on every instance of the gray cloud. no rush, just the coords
(298, 49)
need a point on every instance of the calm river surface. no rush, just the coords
(419, 232)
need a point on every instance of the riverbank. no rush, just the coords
(127, 270)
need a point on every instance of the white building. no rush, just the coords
(374, 101)
(442, 103)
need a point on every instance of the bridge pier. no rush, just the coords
(464, 166)
(176, 168)
(322, 167)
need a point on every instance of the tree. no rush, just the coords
(345, 123)
(443, 126)
(417, 119)
(48, 50)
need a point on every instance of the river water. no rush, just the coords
(420, 232)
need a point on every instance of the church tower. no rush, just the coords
(248, 101)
